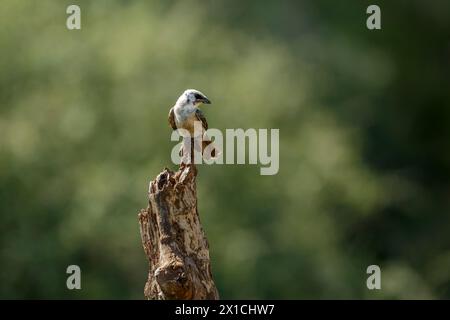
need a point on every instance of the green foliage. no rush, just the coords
(364, 129)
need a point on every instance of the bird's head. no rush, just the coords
(192, 97)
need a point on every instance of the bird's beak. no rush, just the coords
(204, 100)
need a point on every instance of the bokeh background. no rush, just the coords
(364, 121)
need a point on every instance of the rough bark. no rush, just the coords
(174, 241)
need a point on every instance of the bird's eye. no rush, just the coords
(197, 96)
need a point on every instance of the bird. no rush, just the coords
(184, 114)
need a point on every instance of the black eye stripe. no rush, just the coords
(197, 96)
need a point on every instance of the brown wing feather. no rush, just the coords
(172, 119)
(201, 117)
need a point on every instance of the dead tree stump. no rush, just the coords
(174, 241)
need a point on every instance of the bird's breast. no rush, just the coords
(185, 119)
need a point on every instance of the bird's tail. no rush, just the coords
(209, 150)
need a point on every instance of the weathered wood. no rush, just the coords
(174, 241)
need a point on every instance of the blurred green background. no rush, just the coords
(364, 121)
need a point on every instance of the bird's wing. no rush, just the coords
(172, 119)
(201, 117)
